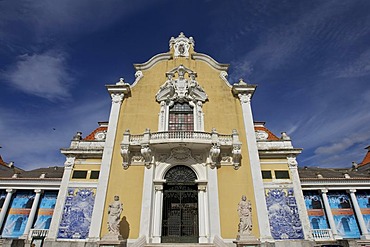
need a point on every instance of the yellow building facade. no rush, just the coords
(183, 155)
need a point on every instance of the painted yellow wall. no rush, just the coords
(140, 111)
(274, 165)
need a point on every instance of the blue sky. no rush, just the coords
(310, 59)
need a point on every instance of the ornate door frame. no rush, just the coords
(203, 209)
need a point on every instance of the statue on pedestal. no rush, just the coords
(245, 217)
(114, 216)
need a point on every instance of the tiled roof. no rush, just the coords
(366, 159)
(271, 136)
(330, 173)
(2, 162)
(91, 136)
(54, 172)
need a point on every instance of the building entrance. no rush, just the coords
(180, 206)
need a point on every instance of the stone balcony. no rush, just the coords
(205, 147)
(322, 235)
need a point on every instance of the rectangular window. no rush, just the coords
(282, 175)
(94, 175)
(181, 118)
(266, 175)
(79, 174)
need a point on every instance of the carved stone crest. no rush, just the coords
(181, 89)
(181, 45)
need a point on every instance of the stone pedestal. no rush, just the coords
(111, 240)
(246, 241)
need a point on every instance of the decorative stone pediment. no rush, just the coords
(181, 45)
(181, 89)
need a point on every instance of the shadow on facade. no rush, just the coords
(124, 228)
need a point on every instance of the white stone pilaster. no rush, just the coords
(213, 204)
(259, 193)
(364, 232)
(6, 204)
(157, 218)
(101, 191)
(32, 214)
(59, 206)
(146, 204)
(202, 213)
(329, 213)
(302, 210)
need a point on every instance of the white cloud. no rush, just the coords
(33, 139)
(48, 19)
(338, 147)
(358, 67)
(44, 75)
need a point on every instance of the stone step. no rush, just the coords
(179, 245)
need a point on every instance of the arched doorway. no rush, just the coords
(180, 206)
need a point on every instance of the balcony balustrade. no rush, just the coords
(141, 148)
(322, 234)
(39, 233)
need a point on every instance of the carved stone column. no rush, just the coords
(364, 232)
(244, 93)
(32, 214)
(118, 93)
(329, 214)
(202, 213)
(5, 207)
(293, 167)
(157, 219)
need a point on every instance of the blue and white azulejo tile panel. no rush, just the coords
(283, 214)
(77, 212)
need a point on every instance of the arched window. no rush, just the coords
(18, 224)
(181, 117)
(345, 224)
(315, 223)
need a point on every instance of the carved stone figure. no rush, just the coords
(114, 216)
(245, 216)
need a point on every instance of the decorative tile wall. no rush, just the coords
(18, 214)
(45, 210)
(77, 212)
(283, 214)
(315, 210)
(363, 198)
(343, 214)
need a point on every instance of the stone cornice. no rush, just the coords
(36, 183)
(119, 89)
(209, 60)
(324, 182)
(278, 153)
(242, 88)
(152, 61)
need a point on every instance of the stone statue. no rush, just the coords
(114, 216)
(245, 216)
